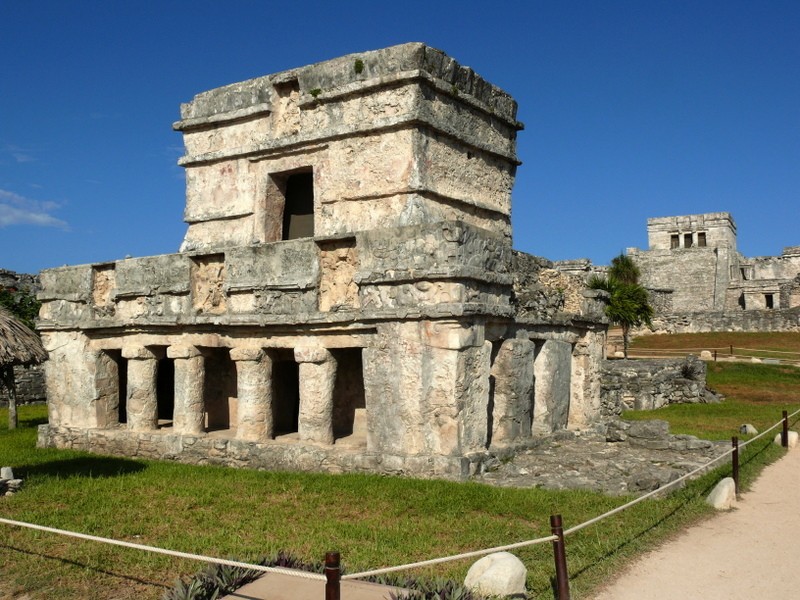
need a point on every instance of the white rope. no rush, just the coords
(219, 561)
(436, 561)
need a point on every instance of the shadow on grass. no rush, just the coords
(84, 466)
(86, 566)
(32, 421)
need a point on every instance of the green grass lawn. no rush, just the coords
(373, 521)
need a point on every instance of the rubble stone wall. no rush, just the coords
(30, 385)
(745, 320)
(649, 384)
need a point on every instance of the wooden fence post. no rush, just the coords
(785, 430)
(560, 556)
(735, 463)
(333, 575)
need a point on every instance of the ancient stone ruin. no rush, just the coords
(346, 296)
(699, 281)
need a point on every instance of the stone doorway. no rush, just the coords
(285, 392)
(219, 390)
(165, 392)
(116, 385)
(349, 400)
(298, 209)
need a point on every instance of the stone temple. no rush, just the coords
(699, 281)
(346, 296)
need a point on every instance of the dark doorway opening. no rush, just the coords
(298, 210)
(165, 391)
(349, 399)
(121, 366)
(219, 389)
(285, 392)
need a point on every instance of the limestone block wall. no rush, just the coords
(776, 267)
(399, 136)
(698, 277)
(651, 384)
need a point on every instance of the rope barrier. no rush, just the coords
(175, 553)
(436, 561)
(635, 501)
(382, 571)
(766, 431)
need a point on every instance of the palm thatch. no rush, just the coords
(18, 344)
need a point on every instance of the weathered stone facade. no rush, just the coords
(346, 296)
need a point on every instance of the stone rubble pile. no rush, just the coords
(8, 485)
(614, 458)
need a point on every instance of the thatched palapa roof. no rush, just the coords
(18, 344)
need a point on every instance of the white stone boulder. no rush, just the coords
(706, 355)
(723, 496)
(748, 429)
(793, 437)
(6, 473)
(499, 574)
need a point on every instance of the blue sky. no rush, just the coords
(631, 110)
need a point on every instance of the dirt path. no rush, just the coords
(750, 552)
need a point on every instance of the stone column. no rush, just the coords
(552, 374)
(142, 404)
(189, 415)
(513, 391)
(254, 391)
(317, 370)
(587, 360)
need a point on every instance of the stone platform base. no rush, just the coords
(275, 455)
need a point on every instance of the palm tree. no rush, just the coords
(624, 270)
(628, 303)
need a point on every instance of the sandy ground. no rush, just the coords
(747, 553)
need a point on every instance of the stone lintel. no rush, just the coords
(183, 351)
(137, 353)
(453, 335)
(246, 354)
(311, 354)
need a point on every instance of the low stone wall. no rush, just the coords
(30, 385)
(650, 384)
(743, 320)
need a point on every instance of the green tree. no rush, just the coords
(22, 305)
(628, 304)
